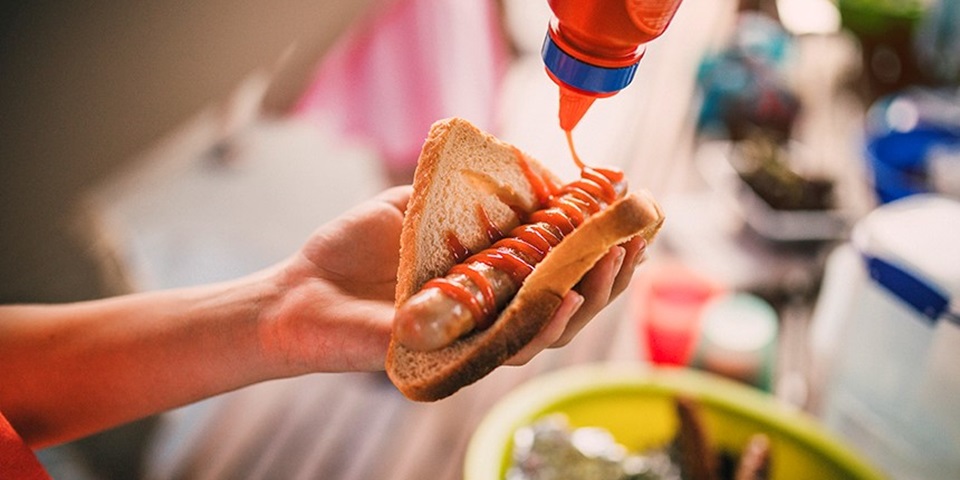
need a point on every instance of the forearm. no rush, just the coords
(70, 370)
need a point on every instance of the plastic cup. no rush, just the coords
(669, 305)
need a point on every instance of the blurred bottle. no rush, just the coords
(593, 47)
(913, 143)
(744, 87)
(937, 43)
(885, 30)
(886, 338)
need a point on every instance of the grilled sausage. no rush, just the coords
(472, 293)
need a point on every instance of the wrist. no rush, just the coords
(268, 293)
(233, 313)
(285, 315)
(314, 324)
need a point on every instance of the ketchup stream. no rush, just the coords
(562, 209)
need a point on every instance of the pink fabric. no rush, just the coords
(411, 63)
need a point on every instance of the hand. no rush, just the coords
(336, 312)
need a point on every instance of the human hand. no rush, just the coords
(336, 312)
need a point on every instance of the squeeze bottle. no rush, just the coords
(592, 48)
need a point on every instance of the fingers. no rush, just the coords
(596, 288)
(635, 249)
(398, 197)
(608, 279)
(552, 331)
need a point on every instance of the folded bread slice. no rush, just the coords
(462, 170)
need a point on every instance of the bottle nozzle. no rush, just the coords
(573, 105)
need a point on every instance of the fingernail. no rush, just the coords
(577, 301)
(641, 252)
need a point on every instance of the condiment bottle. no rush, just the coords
(592, 48)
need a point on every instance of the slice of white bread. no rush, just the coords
(460, 170)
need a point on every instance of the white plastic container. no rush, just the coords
(886, 332)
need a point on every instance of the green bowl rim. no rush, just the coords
(532, 399)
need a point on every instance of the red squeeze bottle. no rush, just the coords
(593, 47)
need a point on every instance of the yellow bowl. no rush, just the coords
(636, 405)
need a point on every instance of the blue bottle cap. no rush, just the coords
(582, 75)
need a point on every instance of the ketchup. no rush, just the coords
(493, 231)
(561, 211)
(541, 186)
(456, 248)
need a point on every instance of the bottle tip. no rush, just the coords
(573, 106)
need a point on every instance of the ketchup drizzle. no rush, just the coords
(457, 292)
(456, 248)
(484, 309)
(561, 211)
(541, 186)
(506, 261)
(493, 231)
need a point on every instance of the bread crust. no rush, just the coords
(433, 375)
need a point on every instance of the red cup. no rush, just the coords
(669, 304)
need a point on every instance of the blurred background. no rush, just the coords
(806, 153)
